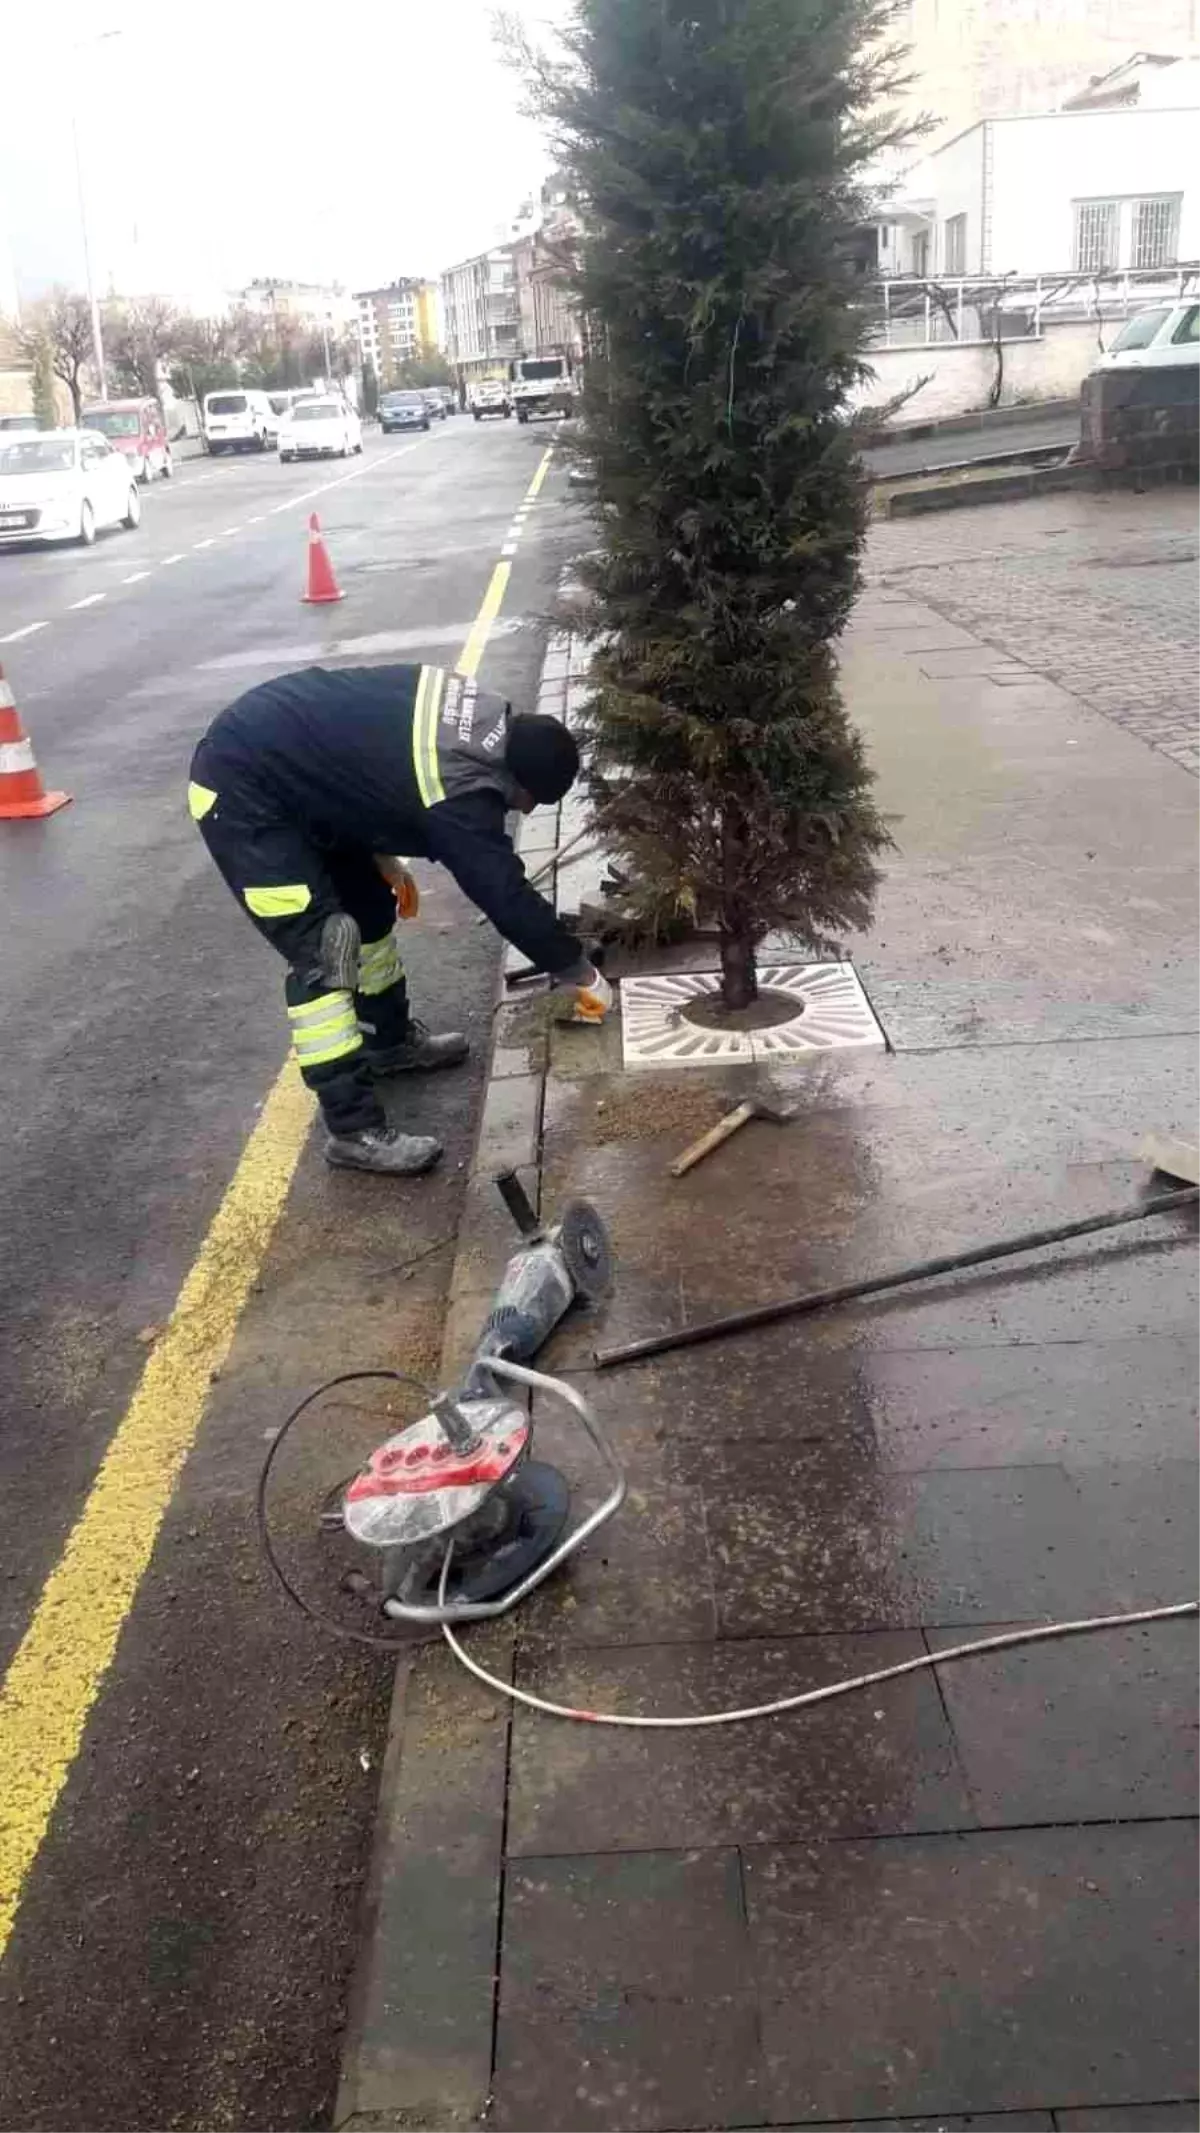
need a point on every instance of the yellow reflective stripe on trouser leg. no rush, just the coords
(285, 902)
(425, 724)
(379, 965)
(200, 799)
(325, 1029)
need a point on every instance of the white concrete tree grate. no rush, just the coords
(832, 1014)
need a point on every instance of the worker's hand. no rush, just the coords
(593, 998)
(401, 883)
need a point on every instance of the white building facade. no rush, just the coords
(1077, 191)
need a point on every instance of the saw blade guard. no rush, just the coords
(582, 1237)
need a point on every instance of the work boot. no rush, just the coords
(384, 1149)
(420, 1053)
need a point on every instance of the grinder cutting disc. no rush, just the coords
(584, 1244)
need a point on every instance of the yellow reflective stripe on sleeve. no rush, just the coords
(200, 799)
(285, 902)
(425, 717)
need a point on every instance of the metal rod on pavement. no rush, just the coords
(1033, 1240)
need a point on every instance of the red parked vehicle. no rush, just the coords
(136, 428)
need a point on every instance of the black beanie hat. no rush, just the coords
(542, 756)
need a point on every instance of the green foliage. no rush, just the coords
(45, 401)
(719, 146)
(427, 367)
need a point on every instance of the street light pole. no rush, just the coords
(97, 337)
(103, 37)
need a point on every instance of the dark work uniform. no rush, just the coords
(301, 781)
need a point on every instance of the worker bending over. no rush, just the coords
(305, 789)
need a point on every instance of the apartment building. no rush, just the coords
(481, 312)
(396, 323)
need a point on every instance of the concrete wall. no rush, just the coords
(960, 373)
(1041, 166)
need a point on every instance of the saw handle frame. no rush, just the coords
(487, 1610)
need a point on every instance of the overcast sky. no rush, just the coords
(226, 141)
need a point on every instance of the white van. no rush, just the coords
(237, 420)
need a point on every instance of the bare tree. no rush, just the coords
(140, 336)
(63, 322)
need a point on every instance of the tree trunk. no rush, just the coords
(739, 981)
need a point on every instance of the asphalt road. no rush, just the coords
(954, 448)
(184, 1930)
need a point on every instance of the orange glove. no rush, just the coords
(592, 1000)
(401, 883)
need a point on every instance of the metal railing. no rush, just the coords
(927, 311)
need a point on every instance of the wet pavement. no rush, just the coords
(965, 1897)
(185, 1933)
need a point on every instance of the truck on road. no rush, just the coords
(542, 385)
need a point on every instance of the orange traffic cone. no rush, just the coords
(22, 793)
(322, 585)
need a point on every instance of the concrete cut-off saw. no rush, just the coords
(461, 1521)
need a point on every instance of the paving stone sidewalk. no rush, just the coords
(966, 1897)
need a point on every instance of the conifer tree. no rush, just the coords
(718, 149)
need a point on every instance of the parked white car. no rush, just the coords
(237, 421)
(61, 485)
(315, 428)
(1163, 333)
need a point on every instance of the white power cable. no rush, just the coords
(1037, 1634)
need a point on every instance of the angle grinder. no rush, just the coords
(465, 1521)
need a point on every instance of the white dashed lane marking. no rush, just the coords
(136, 577)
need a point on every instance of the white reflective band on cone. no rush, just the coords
(15, 756)
(8, 701)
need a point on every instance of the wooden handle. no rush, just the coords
(712, 1139)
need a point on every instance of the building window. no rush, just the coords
(920, 255)
(954, 234)
(1155, 231)
(1097, 230)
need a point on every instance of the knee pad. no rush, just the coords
(341, 945)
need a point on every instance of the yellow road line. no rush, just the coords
(59, 1666)
(541, 474)
(472, 651)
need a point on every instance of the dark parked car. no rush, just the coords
(435, 403)
(403, 411)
